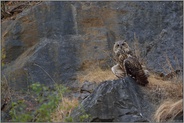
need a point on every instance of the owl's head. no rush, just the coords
(121, 47)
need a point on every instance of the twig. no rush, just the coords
(45, 72)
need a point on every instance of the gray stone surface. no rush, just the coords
(48, 19)
(88, 87)
(157, 25)
(47, 62)
(115, 101)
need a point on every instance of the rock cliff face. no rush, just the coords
(157, 25)
(47, 62)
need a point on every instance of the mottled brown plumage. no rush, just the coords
(120, 48)
(134, 69)
(127, 63)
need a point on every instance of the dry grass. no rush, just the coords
(159, 90)
(171, 69)
(168, 111)
(96, 75)
(64, 109)
(136, 47)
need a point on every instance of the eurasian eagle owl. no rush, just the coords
(127, 63)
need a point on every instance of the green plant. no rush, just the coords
(84, 117)
(17, 107)
(47, 102)
(63, 111)
(68, 119)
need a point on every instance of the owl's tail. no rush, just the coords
(141, 78)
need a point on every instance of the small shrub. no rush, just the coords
(84, 117)
(63, 110)
(17, 107)
(47, 101)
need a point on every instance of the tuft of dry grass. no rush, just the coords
(136, 46)
(96, 75)
(160, 90)
(64, 109)
(168, 110)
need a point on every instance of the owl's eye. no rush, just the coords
(118, 45)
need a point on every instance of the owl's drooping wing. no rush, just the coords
(134, 69)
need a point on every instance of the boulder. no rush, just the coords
(114, 101)
(47, 62)
(88, 87)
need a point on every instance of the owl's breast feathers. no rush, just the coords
(121, 59)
